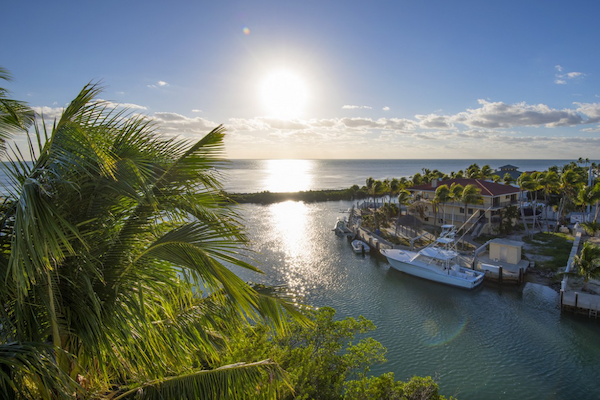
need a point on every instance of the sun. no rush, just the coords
(283, 94)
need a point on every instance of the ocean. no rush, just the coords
(249, 176)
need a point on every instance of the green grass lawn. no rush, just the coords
(555, 245)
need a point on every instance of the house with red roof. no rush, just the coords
(478, 218)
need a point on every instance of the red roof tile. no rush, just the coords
(487, 188)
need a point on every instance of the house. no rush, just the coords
(512, 170)
(478, 218)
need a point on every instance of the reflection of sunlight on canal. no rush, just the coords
(288, 175)
(292, 222)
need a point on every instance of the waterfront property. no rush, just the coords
(478, 218)
(509, 169)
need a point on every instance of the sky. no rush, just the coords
(404, 79)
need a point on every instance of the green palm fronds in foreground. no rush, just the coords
(115, 243)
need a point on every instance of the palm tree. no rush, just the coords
(455, 194)
(471, 194)
(403, 200)
(587, 263)
(507, 179)
(114, 245)
(473, 171)
(15, 115)
(570, 180)
(442, 195)
(485, 172)
(549, 183)
(525, 183)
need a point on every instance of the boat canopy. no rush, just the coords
(445, 240)
(438, 253)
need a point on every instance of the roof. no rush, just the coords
(507, 242)
(487, 188)
(507, 166)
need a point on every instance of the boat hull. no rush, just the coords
(449, 277)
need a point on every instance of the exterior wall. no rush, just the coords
(505, 253)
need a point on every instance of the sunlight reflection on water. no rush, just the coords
(293, 224)
(288, 175)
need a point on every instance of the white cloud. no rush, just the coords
(386, 108)
(590, 110)
(158, 84)
(195, 110)
(562, 79)
(433, 121)
(131, 106)
(349, 107)
(501, 115)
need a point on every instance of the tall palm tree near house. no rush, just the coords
(442, 195)
(485, 172)
(570, 180)
(473, 171)
(471, 194)
(525, 184)
(454, 195)
(548, 181)
(507, 179)
(587, 195)
(114, 252)
(403, 200)
(535, 187)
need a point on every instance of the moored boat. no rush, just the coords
(436, 262)
(360, 247)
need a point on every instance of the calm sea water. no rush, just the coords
(248, 176)
(491, 343)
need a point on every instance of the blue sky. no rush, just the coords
(383, 79)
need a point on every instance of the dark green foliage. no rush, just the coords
(384, 387)
(325, 360)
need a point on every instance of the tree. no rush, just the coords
(15, 115)
(470, 195)
(473, 172)
(442, 195)
(114, 250)
(549, 182)
(570, 180)
(507, 179)
(455, 194)
(327, 360)
(587, 263)
(485, 172)
(525, 183)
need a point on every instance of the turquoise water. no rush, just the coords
(491, 343)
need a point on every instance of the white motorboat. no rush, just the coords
(341, 227)
(360, 247)
(436, 262)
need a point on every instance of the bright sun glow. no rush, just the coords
(283, 94)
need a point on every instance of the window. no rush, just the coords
(470, 211)
(462, 210)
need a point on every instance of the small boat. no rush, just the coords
(341, 228)
(436, 262)
(360, 247)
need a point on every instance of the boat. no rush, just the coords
(341, 228)
(436, 262)
(360, 247)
